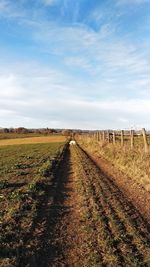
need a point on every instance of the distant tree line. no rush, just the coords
(22, 130)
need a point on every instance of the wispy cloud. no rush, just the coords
(93, 51)
(74, 75)
(49, 2)
(54, 97)
(10, 10)
(138, 2)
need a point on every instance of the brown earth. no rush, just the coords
(57, 238)
(134, 192)
(66, 237)
(111, 232)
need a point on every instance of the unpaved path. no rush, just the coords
(65, 239)
(133, 191)
(57, 238)
(120, 234)
(87, 221)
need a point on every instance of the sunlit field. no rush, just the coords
(33, 140)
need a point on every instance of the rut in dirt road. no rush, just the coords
(61, 240)
(119, 234)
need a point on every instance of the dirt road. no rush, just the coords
(87, 221)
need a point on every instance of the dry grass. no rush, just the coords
(33, 140)
(134, 163)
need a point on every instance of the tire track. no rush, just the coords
(124, 229)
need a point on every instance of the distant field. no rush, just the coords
(33, 140)
(16, 135)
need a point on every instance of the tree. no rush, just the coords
(67, 132)
(21, 130)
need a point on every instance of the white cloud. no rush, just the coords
(49, 2)
(80, 62)
(115, 91)
(9, 9)
(10, 87)
(92, 51)
(40, 97)
(89, 50)
(138, 2)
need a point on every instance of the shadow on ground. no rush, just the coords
(45, 242)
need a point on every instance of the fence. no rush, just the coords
(122, 137)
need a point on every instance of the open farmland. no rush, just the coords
(74, 133)
(60, 208)
(26, 171)
(16, 135)
(33, 140)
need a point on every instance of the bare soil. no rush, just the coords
(135, 192)
(85, 220)
(120, 235)
(57, 237)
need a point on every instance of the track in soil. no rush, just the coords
(56, 240)
(87, 221)
(120, 234)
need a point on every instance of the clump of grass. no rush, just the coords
(3, 184)
(45, 169)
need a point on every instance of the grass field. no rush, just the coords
(16, 135)
(33, 140)
(25, 172)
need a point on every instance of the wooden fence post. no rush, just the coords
(103, 136)
(97, 136)
(145, 140)
(114, 138)
(122, 138)
(132, 138)
(108, 136)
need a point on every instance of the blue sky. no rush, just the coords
(75, 63)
